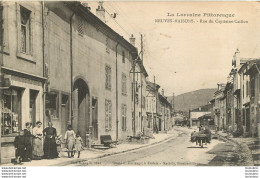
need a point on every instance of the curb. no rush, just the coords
(115, 153)
(241, 145)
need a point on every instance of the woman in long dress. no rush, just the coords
(70, 140)
(37, 151)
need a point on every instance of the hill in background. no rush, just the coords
(192, 100)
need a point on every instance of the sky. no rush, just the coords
(185, 57)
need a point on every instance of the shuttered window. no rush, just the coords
(123, 117)
(108, 115)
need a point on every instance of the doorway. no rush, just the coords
(81, 116)
(95, 118)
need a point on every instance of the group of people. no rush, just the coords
(38, 143)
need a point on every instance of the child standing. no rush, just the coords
(70, 140)
(19, 144)
(78, 143)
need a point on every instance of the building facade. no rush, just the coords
(22, 94)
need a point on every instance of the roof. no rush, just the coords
(203, 108)
(206, 116)
(249, 65)
(84, 12)
(163, 99)
(151, 85)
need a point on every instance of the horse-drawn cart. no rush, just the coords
(202, 137)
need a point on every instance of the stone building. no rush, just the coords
(151, 105)
(61, 63)
(139, 76)
(22, 70)
(89, 75)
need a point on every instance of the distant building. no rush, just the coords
(198, 112)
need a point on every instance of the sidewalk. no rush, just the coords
(89, 154)
(249, 147)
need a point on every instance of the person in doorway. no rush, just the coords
(37, 149)
(28, 141)
(19, 144)
(78, 143)
(70, 140)
(50, 146)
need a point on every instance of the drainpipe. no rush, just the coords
(1, 90)
(116, 96)
(71, 70)
(43, 63)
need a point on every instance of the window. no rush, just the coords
(108, 115)
(25, 29)
(1, 26)
(247, 88)
(124, 90)
(143, 102)
(123, 117)
(11, 112)
(252, 87)
(108, 77)
(123, 57)
(51, 106)
(107, 45)
(80, 27)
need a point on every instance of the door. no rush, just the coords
(64, 113)
(95, 118)
(247, 120)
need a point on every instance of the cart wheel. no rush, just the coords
(201, 143)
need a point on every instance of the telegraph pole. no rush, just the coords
(155, 104)
(142, 85)
(134, 96)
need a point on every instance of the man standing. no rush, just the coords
(28, 141)
(49, 146)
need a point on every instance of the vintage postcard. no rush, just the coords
(129, 83)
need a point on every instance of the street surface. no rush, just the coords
(177, 151)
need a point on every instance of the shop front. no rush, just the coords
(21, 103)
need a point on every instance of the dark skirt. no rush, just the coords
(50, 148)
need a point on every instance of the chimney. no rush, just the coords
(132, 40)
(162, 92)
(85, 4)
(236, 59)
(100, 11)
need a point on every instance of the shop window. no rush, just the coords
(123, 117)
(51, 106)
(108, 115)
(25, 28)
(11, 113)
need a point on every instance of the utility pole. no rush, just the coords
(134, 96)
(1, 75)
(116, 96)
(142, 85)
(155, 105)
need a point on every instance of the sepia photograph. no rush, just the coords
(129, 83)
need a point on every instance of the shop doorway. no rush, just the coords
(33, 96)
